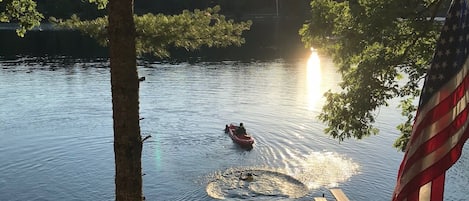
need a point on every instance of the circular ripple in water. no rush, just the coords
(266, 184)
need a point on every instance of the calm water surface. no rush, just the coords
(57, 141)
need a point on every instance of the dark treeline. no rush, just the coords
(240, 9)
(270, 36)
(235, 8)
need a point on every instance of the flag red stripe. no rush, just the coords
(414, 150)
(423, 166)
(439, 139)
(438, 185)
(421, 113)
(442, 108)
(441, 124)
(414, 195)
(428, 109)
(435, 170)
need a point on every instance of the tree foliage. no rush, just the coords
(382, 49)
(26, 14)
(22, 11)
(157, 33)
(124, 33)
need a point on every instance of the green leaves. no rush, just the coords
(100, 3)
(382, 49)
(156, 33)
(24, 12)
(408, 109)
(189, 30)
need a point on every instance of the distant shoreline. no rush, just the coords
(259, 18)
(46, 26)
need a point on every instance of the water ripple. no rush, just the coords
(57, 135)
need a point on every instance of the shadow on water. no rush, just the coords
(49, 43)
(241, 149)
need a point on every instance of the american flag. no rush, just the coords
(440, 127)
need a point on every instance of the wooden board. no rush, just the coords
(320, 199)
(339, 194)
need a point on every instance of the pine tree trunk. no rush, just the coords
(125, 86)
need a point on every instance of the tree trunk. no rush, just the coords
(125, 86)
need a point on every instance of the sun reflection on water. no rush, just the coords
(313, 77)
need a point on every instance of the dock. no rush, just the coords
(320, 199)
(338, 194)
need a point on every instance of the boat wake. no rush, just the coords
(317, 170)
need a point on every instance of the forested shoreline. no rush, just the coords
(240, 9)
(270, 37)
(266, 40)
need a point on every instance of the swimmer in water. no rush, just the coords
(249, 177)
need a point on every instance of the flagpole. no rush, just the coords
(276, 6)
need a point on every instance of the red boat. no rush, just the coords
(244, 140)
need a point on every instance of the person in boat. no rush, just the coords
(249, 177)
(241, 130)
(227, 128)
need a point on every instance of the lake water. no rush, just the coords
(57, 139)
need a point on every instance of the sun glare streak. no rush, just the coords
(158, 155)
(313, 77)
